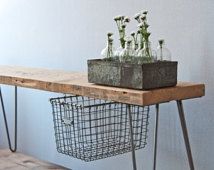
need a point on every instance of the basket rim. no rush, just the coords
(54, 101)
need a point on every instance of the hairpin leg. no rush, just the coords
(185, 133)
(132, 139)
(6, 124)
(156, 136)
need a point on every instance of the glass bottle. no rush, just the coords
(147, 54)
(107, 52)
(163, 53)
(128, 53)
(117, 52)
(140, 44)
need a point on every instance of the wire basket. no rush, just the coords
(91, 129)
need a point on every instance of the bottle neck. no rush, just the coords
(161, 46)
(147, 49)
(110, 49)
(147, 44)
(161, 43)
(128, 45)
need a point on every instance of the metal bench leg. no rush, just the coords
(6, 124)
(185, 133)
(132, 139)
(156, 136)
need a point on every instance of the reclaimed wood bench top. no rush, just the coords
(77, 83)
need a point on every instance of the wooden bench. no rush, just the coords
(77, 83)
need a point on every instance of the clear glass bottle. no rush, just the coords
(140, 44)
(117, 52)
(128, 53)
(107, 52)
(147, 54)
(163, 54)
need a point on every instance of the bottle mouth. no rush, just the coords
(161, 42)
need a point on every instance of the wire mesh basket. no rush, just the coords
(91, 129)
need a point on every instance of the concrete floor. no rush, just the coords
(19, 161)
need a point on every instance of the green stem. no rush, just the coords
(122, 42)
(147, 49)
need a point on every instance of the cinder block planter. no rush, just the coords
(136, 76)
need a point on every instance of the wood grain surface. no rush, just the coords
(77, 83)
(18, 161)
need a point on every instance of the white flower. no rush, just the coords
(140, 25)
(126, 19)
(145, 12)
(123, 26)
(143, 18)
(128, 39)
(132, 33)
(122, 17)
(109, 34)
(136, 16)
(118, 17)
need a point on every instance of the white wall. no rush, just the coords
(63, 34)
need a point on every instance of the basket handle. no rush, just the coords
(67, 121)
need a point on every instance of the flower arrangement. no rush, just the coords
(125, 67)
(121, 22)
(136, 47)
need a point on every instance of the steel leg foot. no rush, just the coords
(6, 124)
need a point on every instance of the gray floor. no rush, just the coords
(19, 161)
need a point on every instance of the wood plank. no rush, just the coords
(77, 83)
(18, 161)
